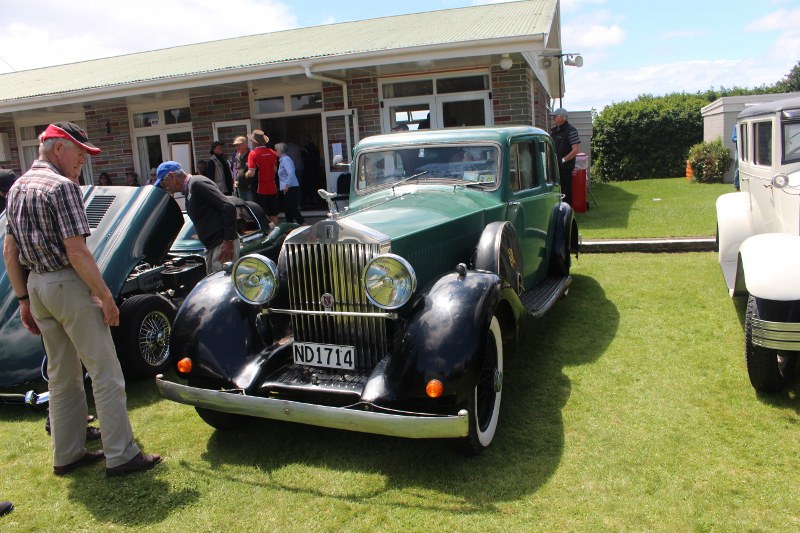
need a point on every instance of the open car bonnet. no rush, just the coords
(129, 225)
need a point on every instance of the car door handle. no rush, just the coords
(513, 203)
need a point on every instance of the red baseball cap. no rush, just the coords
(72, 132)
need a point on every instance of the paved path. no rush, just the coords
(678, 244)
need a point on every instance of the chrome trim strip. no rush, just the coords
(394, 425)
(328, 313)
(776, 335)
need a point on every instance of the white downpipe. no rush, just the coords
(343, 85)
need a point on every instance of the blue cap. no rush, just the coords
(165, 168)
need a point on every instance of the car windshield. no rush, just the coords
(791, 142)
(464, 164)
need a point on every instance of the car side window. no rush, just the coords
(762, 134)
(547, 161)
(742, 146)
(524, 171)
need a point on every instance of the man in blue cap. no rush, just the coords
(213, 213)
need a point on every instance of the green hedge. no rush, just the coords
(646, 138)
(709, 161)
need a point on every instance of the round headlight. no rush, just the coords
(779, 181)
(389, 281)
(255, 279)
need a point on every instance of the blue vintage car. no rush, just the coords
(133, 240)
(391, 317)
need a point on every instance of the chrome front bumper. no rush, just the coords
(395, 425)
(776, 335)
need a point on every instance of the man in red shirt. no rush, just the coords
(261, 163)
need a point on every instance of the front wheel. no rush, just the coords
(142, 338)
(769, 369)
(218, 419)
(484, 404)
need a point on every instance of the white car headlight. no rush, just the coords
(255, 279)
(389, 281)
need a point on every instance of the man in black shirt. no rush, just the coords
(213, 214)
(567, 144)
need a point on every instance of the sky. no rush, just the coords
(629, 47)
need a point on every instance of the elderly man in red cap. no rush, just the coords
(63, 297)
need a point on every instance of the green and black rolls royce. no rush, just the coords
(391, 316)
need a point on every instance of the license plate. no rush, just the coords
(324, 355)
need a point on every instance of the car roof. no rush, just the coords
(497, 134)
(768, 108)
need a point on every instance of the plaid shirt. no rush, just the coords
(43, 209)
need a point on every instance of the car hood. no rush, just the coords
(434, 227)
(129, 225)
(413, 209)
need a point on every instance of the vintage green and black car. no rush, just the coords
(150, 258)
(390, 317)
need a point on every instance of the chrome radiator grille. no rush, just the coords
(335, 269)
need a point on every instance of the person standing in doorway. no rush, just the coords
(243, 184)
(63, 297)
(218, 169)
(261, 166)
(568, 142)
(290, 187)
(213, 214)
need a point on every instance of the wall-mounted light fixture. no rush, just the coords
(546, 62)
(571, 60)
(506, 62)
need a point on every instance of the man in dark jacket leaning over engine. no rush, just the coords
(213, 214)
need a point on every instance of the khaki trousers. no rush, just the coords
(213, 264)
(73, 331)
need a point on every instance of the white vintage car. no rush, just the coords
(758, 231)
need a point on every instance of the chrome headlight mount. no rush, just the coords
(389, 281)
(255, 279)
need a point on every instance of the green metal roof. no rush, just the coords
(269, 50)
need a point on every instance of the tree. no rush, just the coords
(791, 83)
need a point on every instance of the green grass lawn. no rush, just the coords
(669, 207)
(626, 408)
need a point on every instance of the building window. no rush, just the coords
(302, 102)
(441, 102)
(270, 105)
(462, 84)
(402, 89)
(146, 119)
(178, 115)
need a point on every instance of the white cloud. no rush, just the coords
(783, 19)
(682, 34)
(592, 36)
(111, 28)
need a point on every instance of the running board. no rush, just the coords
(543, 296)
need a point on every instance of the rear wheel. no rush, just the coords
(142, 338)
(484, 404)
(769, 369)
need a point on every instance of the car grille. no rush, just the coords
(335, 269)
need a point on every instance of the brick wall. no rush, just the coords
(206, 109)
(512, 101)
(363, 92)
(109, 129)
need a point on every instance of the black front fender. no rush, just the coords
(217, 330)
(443, 340)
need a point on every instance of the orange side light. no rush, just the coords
(184, 365)
(434, 388)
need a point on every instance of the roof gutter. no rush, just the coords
(343, 84)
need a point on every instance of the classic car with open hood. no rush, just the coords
(133, 240)
(391, 317)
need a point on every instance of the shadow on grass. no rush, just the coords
(402, 472)
(613, 210)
